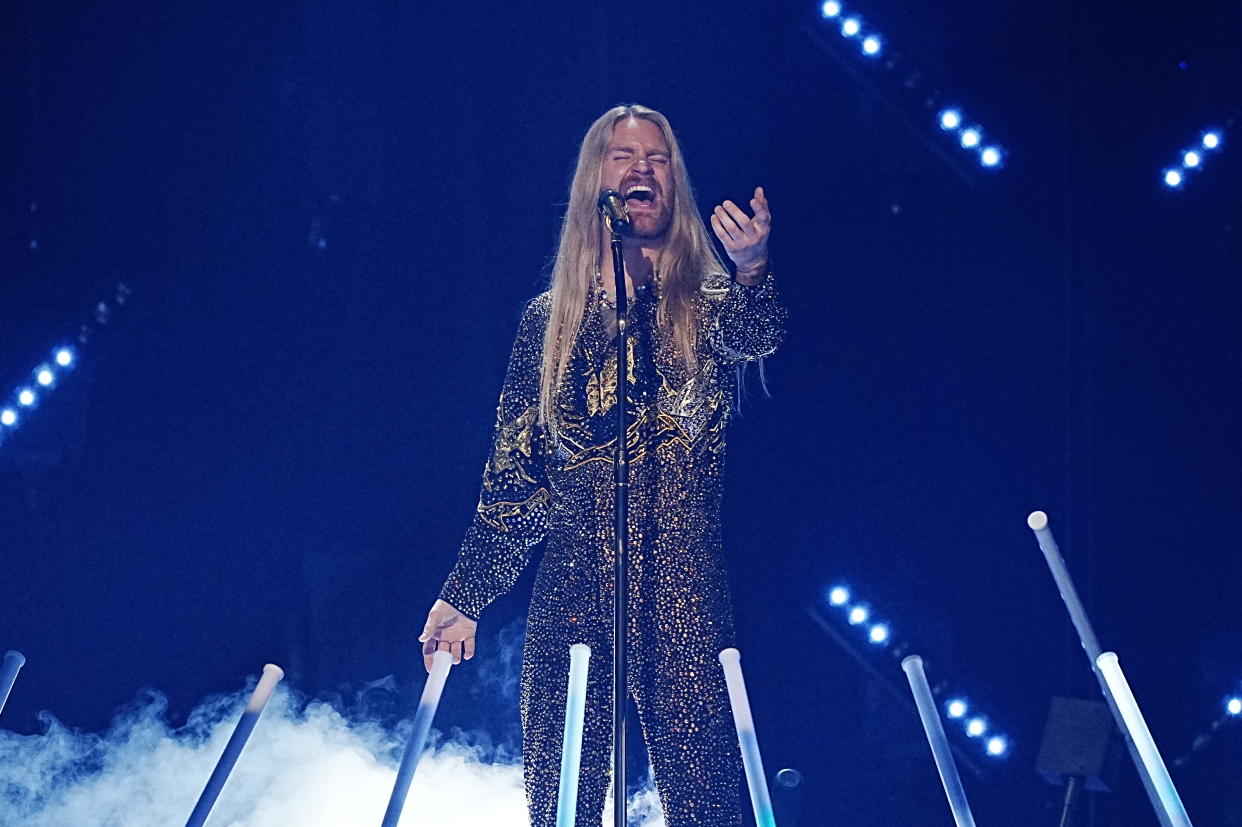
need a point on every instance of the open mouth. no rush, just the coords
(640, 196)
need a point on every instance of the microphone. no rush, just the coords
(612, 206)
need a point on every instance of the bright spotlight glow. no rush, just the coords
(990, 156)
(1234, 706)
(976, 727)
(1211, 140)
(838, 596)
(997, 746)
(44, 376)
(26, 397)
(859, 614)
(64, 357)
(871, 45)
(1172, 178)
(950, 119)
(971, 138)
(8, 417)
(1191, 159)
(878, 633)
(830, 9)
(955, 708)
(851, 26)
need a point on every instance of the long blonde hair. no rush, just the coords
(688, 255)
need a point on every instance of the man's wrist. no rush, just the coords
(750, 276)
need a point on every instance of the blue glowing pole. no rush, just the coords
(1038, 523)
(571, 746)
(440, 663)
(272, 675)
(1150, 765)
(731, 660)
(13, 661)
(941, 751)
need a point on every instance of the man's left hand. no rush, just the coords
(745, 238)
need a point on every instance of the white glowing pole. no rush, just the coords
(941, 751)
(13, 662)
(440, 663)
(1038, 523)
(571, 746)
(1152, 765)
(272, 675)
(731, 660)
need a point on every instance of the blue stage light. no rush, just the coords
(45, 376)
(990, 156)
(851, 26)
(1234, 706)
(26, 397)
(65, 357)
(970, 138)
(950, 119)
(1191, 159)
(956, 708)
(1172, 178)
(1211, 140)
(838, 596)
(878, 634)
(997, 746)
(8, 417)
(872, 45)
(975, 727)
(858, 615)
(830, 9)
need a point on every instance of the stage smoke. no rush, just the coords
(308, 764)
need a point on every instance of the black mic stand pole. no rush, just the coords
(621, 593)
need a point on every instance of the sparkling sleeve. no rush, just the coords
(512, 514)
(748, 322)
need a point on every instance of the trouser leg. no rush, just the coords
(545, 675)
(688, 725)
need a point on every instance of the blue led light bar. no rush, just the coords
(843, 600)
(1192, 158)
(48, 374)
(871, 44)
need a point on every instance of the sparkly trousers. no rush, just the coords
(681, 618)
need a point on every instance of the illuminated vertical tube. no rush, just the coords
(271, 676)
(13, 662)
(1151, 765)
(941, 751)
(571, 746)
(731, 660)
(440, 663)
(1038, 523)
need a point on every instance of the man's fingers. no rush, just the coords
(468, 648)
(727, 223)
(720, 231)
(738, 215)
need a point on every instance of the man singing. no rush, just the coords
(550, 475)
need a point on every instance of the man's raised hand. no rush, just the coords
(745, 238)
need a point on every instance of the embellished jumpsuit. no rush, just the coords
(559, 487)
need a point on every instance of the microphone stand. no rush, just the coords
(621, 593)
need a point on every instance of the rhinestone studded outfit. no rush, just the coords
(557, 483)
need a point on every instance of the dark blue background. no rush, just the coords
(330, 216)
